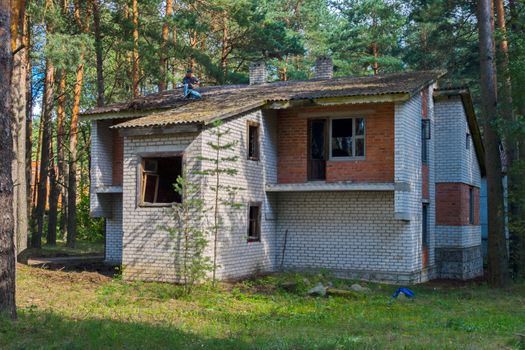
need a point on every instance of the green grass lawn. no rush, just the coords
(67, 310)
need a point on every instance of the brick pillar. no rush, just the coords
(258, 74)
(324, 68)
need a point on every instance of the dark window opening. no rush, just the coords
(425, 225)
(348, 138)
(253, 141)
(467, 141)
(158, 177)
(254, 223)
(317, 149)
(471, 206)
(425, 135)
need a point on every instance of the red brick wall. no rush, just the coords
(452, 204)
(379, 146)
(425, 177)
(424, 103)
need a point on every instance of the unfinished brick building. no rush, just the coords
(373, 177)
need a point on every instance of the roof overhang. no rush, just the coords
(117, 115)
(464, 94)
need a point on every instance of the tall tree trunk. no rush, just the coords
(7, 229)
(135, 73)
(98, 52)
(47, 107)
(164, 46)
(18, 105)
(375, 64)
(37, 169)
(53, 199)
(513, 145)
(225, 43)
(497, 245)
(61, 150)
(193, 45)
(29, 125)
(73, 142)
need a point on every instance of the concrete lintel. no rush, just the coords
(324, 186)
(403, 216)
(108, 189)
(402, 186)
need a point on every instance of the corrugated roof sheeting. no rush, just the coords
(224, 101)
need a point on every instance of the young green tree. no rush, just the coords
(221, 166)
(190, 234)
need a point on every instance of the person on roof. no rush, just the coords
(190, 82)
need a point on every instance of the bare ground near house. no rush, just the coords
(88, 310)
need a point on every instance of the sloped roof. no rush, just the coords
(171, 107)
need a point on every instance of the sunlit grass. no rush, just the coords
(87, 311)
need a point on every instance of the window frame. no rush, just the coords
(250, 124)
(252, 239)
(354, 138)
(140, 178)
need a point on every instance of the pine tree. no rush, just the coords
(497, 245)
(7, 227)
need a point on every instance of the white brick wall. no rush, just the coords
(114, 232)
(454, 162)
(342, 230)
(408, 167)
(148, 251)
(458, 236)
(237, 257)
(354, 231)
(101, 167)
(459, 246)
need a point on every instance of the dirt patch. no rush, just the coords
(63, 276)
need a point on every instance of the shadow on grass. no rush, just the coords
(43, 330)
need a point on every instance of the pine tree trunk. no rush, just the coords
(497, 245)
(7, 229)
(164, 46)
(18, 105)
(37, 169)
(98, 52)
(53, 200)
(225, 43)
(29, 126)
(61, 141)
(513, 146)
(135, 70)
(73, 142)
(47, 107)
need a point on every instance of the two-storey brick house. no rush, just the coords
(368, 177)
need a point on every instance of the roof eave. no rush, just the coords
(116, 115)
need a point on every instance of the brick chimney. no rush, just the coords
(324, 68)
(258, 74)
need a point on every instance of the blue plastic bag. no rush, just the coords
(407, 292)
